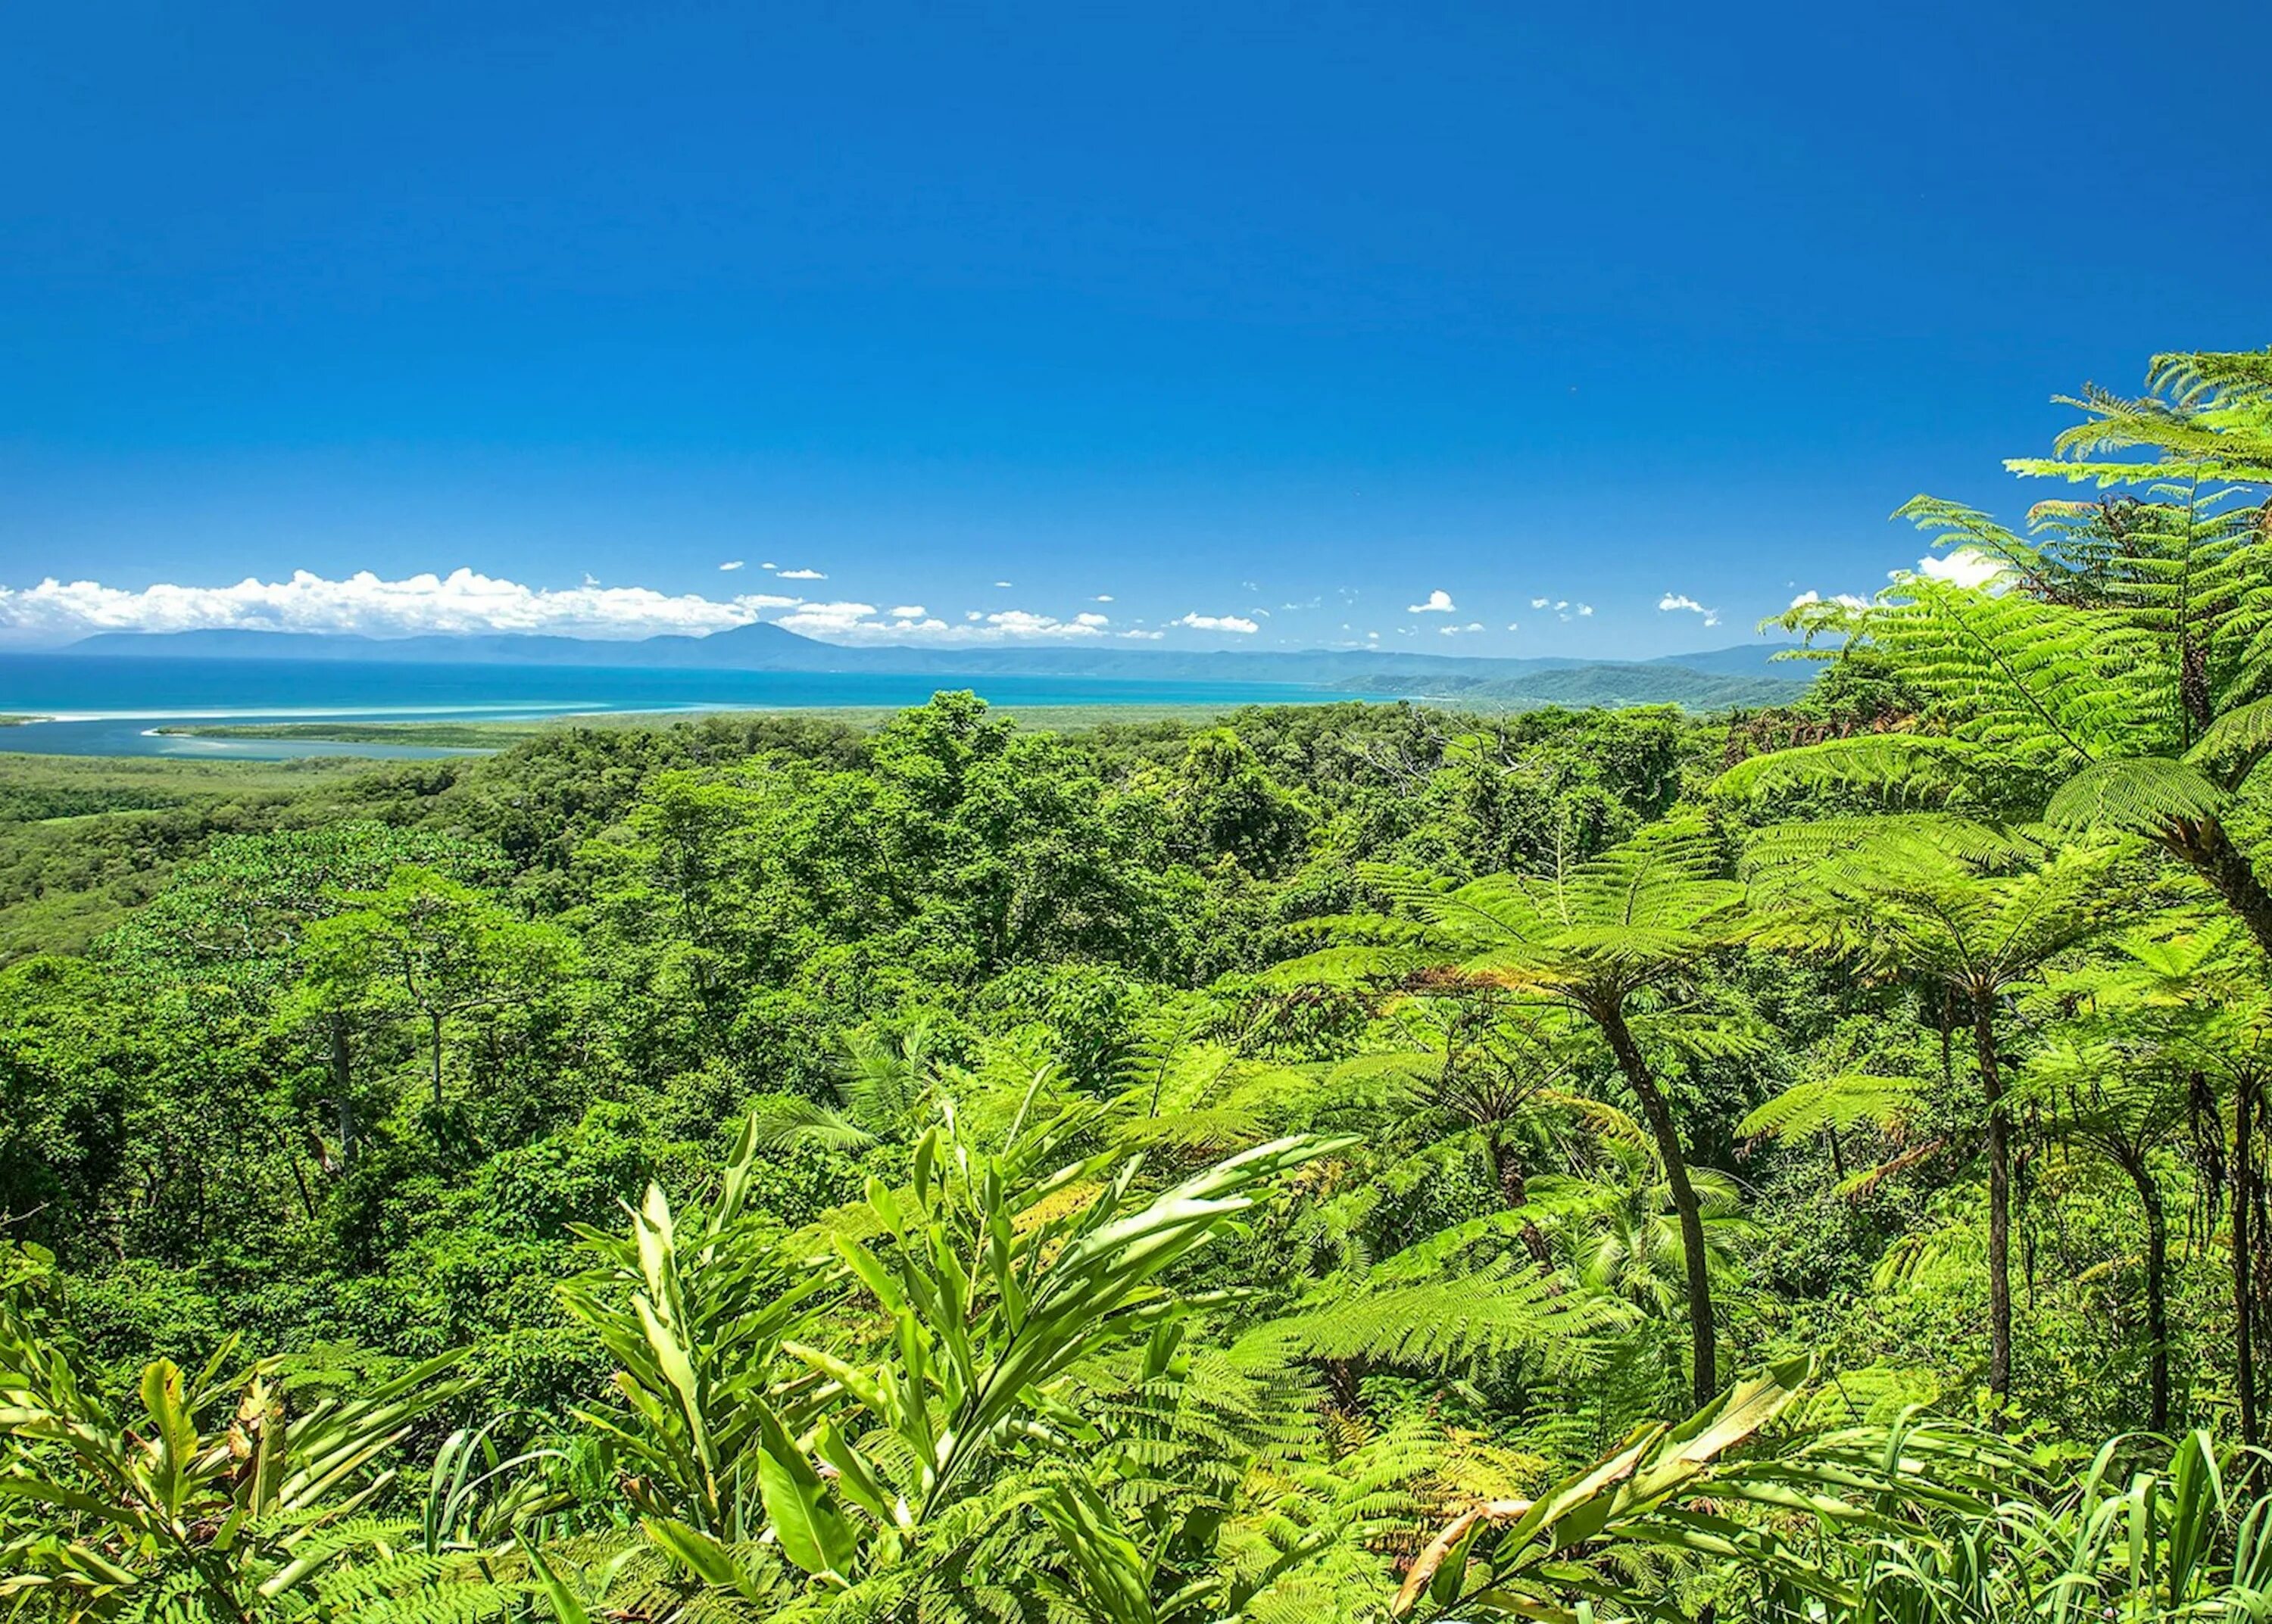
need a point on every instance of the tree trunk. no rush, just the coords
(2212, 854)
(1345, 1384)
(1701, 1331)
(292, 1160)
(1506, 1167)
(2157, 1313)
(2244, 1261)
(2000, 1200)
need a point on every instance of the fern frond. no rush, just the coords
(2138, 795)
(1846, 1100)
(1508, 1309)
(1911, 767)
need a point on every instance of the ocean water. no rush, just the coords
(94, 705)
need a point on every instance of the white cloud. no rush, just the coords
(1681, 601)
(1219, 622)
(802, 575)
(1001, 583)
(1538, 603)
(769, 566)
(1439, 602)
(1372, 636)
(1024, 623)
(464, 601)
(828, 619)
(731, 563)
(1102, 597)
(973, 614)
(1514, 626)
(1965, 566)
(857, 622)
(1849, 601)
(1585, 610)
(1147, 637)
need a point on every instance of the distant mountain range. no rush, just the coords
(1745, 675)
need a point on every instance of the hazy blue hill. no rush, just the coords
(763, 647)
(1607, 684)
(1739, 675)
(1744, 659)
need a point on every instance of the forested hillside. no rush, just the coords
(1343, 1162)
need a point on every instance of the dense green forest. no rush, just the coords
(1340, 1162)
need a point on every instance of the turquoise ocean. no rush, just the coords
(98, 705)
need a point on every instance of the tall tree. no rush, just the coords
(434, 948)
(1616, 939)
(232, 921)
(1958, 905)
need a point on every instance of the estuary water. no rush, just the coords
(98, 705)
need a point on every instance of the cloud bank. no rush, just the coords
(466, 602)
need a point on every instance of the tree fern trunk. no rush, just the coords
(2230, 874)
(2244, 1262)
(1999, 1198)
(1506, 1167)
(2157, 1308)
(1702, 1332)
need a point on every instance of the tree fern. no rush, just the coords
(2095, 673)
(1610, 939)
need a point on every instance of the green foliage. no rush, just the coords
(211, 1499)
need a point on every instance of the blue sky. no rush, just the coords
(1205, 310)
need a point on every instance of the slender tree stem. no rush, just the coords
(1702, 1331)
(2157, 1313)
(2244, 1261)
(1999, 1198)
